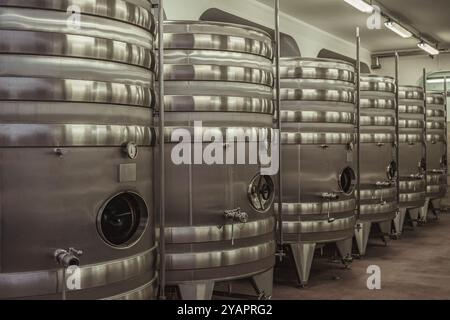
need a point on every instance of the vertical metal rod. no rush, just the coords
(397, 126)
(358, 123)
(278, 110)
(425, 131)
(446, 123)
(162, 182)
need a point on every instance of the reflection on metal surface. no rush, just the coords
(231, 134)
(191, 103)
(71, 98)
(377, 103)
(126, 11)
(42, 283)
(318, 120)
(318, 116)
(437, 145)
(316, 138)
(219, 88)
(218, 36)
(312, 226)
(324, 69)
(318, 208)
(198, 234)
(72, 135)
(332, 95)
(374, 194)
(220, 258)
(378, 138)
(146, 292)
(412, 149)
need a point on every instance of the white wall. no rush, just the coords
(411, 68)
(309, 38)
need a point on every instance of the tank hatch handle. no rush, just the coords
(330, 196)
(235, 215)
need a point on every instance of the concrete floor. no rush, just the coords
(415, 267)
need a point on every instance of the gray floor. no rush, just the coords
(415, 267)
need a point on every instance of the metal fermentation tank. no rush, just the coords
(411, 154)
(318, 122)
(436, 152)
(219, 217)
(76, 132)
(378, 154)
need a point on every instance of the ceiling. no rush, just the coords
(429, 18)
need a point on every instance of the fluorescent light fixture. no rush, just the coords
(427, 48)
(398, 29)
(361, 5)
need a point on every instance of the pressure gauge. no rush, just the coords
(131, 150)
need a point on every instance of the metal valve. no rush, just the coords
(350, 146)
(67, 258)
(330, 196)
(383, 184)
(60, 152)
(235, 215)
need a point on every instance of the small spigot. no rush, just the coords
(330, 196)
(383, 184)
(235, 215)
(68, 258)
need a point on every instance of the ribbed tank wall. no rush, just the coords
(318, 120)
(378, 167)
(220, 75)
(436, 146)
(72, 95)
(412, 149)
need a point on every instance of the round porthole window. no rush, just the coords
(347, 180)
(391, 170)
(123, 219)
(261, 193)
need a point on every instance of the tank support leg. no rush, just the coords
(345, 250)
(436, 207)
(263, 284)
(399, 222)
(362, 231)
(303, 254)
(423, 211)
(196, 290)
(414, 216)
